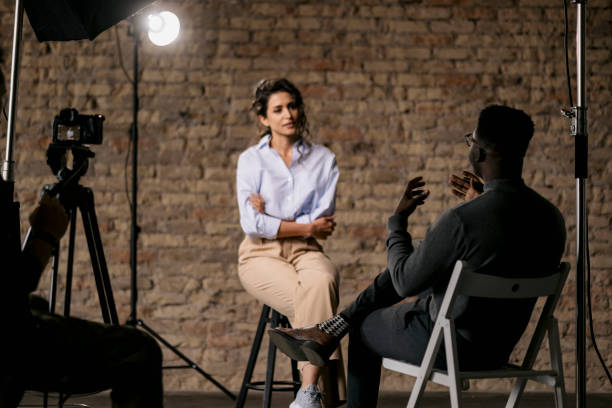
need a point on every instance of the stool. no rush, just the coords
(269, 384)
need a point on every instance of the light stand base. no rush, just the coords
(190, 363)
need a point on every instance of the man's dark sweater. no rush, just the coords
(509, 230)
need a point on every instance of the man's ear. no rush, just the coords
(263, 120)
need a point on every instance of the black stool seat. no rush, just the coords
(274, 319)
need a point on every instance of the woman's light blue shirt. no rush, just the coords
(302, 192)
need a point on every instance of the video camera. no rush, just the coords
(71, 128)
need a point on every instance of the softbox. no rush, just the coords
(65, 20)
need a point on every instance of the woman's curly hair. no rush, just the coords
(266, 88)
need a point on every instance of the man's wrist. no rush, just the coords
(397, 222)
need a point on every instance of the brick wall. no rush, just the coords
(390, 86)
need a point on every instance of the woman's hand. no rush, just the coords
(466, 187)
(323, 227)
(412, 197)
(257, 202)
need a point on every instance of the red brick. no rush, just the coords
(358, 231)
(389, 87)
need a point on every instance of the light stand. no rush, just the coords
(579, 129)
(7, 203)
(135, 229)
(9, 164)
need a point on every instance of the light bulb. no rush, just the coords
(156, 23)
(163, 28)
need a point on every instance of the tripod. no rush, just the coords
(135, 229)
(74, 197)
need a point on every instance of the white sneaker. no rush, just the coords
(307, 398)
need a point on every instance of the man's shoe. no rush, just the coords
(307, 398)
(286, 344)
(308, 343)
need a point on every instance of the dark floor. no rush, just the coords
(185, 399)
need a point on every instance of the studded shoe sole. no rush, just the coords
(287, 345)
(316, 354)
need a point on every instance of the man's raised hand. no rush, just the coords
(466, 187)
(413, 197)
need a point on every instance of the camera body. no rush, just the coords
(71, 128)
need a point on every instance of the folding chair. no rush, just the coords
(467, 283)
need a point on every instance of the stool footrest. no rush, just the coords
(260, 385)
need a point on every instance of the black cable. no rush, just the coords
(5, 115)
(140, 71)
(125, 174)
(121, 56)
(4, 112)
(591, 329)
(127, 156)
(588, 255)
(131, 80)
(567, 67)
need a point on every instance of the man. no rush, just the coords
(507, 230)
(47, 352)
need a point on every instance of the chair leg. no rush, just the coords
(426, 367)
(417, 390)
(557, 363)
(248, 374)
(516, 393)
(452, 364)
(528, 361)
(295, 375)
(267, 401)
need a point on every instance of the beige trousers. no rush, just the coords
(295, 277)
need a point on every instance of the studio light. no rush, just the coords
(163, 27)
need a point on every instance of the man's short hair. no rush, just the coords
(504, 130)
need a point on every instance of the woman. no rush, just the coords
(286, 188)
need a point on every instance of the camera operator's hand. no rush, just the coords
(49, 217)
(48, 224)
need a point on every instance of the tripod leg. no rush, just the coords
(185, 358)
(96, 253)
(69, 263)
(54, 275)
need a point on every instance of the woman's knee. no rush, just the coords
(320, 279)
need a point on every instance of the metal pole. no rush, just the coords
(581, 156)
(9, 164)
(134, 231)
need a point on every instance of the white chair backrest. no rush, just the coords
(489, 286)
(464, 282)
